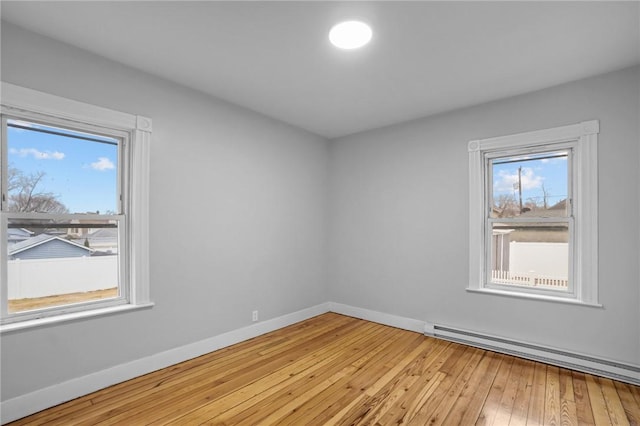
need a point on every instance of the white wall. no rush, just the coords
(237, 220)
(399, 219)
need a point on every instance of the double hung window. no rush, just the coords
(73, 209)
(533, 204)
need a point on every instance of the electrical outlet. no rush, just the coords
(254, 316)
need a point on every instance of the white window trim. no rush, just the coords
(16, 99)
(585, 207)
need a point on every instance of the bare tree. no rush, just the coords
(25, 197)
(12, 182)
(505, 205)
(545, 197)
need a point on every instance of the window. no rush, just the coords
(73, 221)
(533, 214)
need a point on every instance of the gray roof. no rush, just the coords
(38, 240)
(103, 236)
(19, 232)
(557, 210)
(15, 235)
(104, 233)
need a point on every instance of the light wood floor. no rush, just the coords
(337, 370)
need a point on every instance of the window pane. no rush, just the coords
(54, 264)
(529, 185)
(531, 254)
(55, 170)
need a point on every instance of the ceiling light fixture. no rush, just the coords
(350, 34)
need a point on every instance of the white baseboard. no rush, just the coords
(599, 366)
(24, 405)
(379, 317)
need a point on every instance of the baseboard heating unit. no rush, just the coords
(601, 367)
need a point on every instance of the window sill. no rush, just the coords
(53, 320)
(529, 296)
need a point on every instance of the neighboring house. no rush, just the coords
(53, 231)
(524, 247)
(16, 235)
(46, 246)
(103, 240)
(541, 232)
(82, 229)
(535, 231)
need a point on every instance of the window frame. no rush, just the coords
(581, 140)
(134, 132)
(488, 158)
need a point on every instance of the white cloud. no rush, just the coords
(504, 181)
(553, 160)
(38, 155)
(103, 164)
(22, 125)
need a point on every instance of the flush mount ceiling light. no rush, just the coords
(350, 34)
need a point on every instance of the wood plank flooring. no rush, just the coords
(337, 370)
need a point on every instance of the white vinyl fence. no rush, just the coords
(49, 277)
(547, 259)
(536, 264)
(531, 279)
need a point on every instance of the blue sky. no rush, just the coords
(536, 172)
(82, 174)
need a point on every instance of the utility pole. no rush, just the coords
(520, 186)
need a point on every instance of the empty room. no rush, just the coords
(320, 213)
